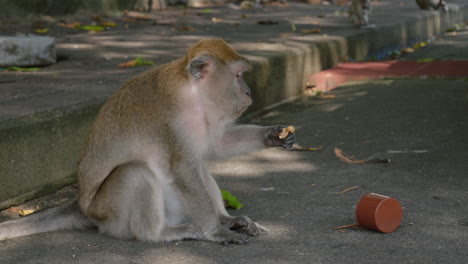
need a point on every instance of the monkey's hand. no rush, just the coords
(243, 224)
(273, 140)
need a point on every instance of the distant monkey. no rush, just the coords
(432, 4)
(359, 11)
(142, 173)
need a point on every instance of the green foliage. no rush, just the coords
(90, 27)
(139, 61)
(20, 69)
(425, 60)
(231, 200)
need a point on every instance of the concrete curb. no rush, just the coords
(39, 152)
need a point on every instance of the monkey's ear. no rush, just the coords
(199, 66)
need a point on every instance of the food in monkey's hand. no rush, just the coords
(286, 131)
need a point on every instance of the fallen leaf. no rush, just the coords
(231, 200)
(311, 31)
(186, 28)
(327, 96)
(41, 30)
(348, 189)
(108, 24)
(408, 50)
(90, 28)
(293, 28)
(21, 69)
(425, 60)
(138, 61)
(97, 18)
(129, 19)
(216, 20)
(25, 212)
(14, 209)
(299, 148)
(348, 159)
(70, 25)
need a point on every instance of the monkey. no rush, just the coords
(432, 4)
(143, 172)
(359, 11)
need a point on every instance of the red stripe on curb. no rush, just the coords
(345, 72)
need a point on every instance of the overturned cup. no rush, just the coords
(379, 213)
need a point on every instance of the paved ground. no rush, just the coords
(419, 124)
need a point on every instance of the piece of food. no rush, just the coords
(286, 131)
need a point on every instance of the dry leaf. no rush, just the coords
(327, 96)
(408, 50)
(186, 28)
(108, 24)
(216, 20)
(311, 31)
(70, 25)
(348, 159)
(299, 148)
(14, 209)
(127, 64)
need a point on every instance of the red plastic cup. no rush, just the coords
(379, 213)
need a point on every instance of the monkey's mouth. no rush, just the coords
(242, 109)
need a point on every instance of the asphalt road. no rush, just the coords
(421, 125)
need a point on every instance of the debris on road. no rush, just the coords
(345, 226)
(348, 189)
(348, 159)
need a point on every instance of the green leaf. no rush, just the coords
(231, 200)
(22, 69)
(90, 28)
(293, 27)
(143, 62)
(425, 60)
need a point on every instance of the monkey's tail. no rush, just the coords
(64, 217)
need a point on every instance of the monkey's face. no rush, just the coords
(233, 91)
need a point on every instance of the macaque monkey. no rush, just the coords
(432, 4)
(359, 11)
(143, 173)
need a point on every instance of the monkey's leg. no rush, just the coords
(131, 203)
(191, 184)
(366, 9)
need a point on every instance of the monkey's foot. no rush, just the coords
(243, 223)
(225, 237)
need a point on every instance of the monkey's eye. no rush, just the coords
(239, 75)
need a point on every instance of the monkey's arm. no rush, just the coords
(241, 139)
